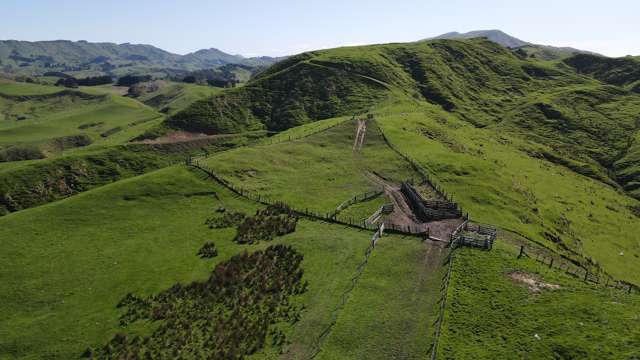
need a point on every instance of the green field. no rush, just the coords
(576, 321)
(498, 182)
(90, 257)
(108, 120)
(545, 151)
(391, 312)
(174, 97)
(317, 172)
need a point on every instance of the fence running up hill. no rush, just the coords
(359, 198)
(598, 278)
(328, 217)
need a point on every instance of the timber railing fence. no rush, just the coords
(359, 198)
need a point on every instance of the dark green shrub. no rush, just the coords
(208, 250)
(231, 315)
(228, 219)
(275, 220)
(21, 152)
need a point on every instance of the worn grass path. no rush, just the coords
(390, 313)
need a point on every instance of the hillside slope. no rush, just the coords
(48, 120)
(583, 123)
(623, 72)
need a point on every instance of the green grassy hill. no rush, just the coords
(557, 317)
(623, 72)
(580, 122)
(547, 154)
(37, 117)
(317, 172)
(67, 299)
(170, 98)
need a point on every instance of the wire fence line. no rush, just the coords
(444, 290)
(426, 176)
(327, 217)
(283, 139)
(598, 277)
(345, 295)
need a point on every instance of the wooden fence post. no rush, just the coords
(551, 263)
(521, 251)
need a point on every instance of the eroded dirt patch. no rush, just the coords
(178, 136)
(534, 284)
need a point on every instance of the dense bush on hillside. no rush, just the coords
(20, 152)
(228, 219)
(236, 312)
(71, 141)
(129, 80)
(275, 220)
(69, 82)
(72, 82)
(96, 80)
(616, 71)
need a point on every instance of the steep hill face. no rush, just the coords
(577, 121)
(26, 57)
(623, 72)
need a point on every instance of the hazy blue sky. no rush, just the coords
(279, 27)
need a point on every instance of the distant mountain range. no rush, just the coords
(82, 57)
(544, 52)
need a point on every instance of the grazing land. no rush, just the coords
(167, 219)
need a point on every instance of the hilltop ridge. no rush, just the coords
(25, 57)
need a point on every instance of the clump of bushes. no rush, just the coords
(228, 219)
(275, 220)
(72, 82)
(21, 152)
(71, 141)
(208, 250)
(129, 80)
(111, 132)
(231, 315)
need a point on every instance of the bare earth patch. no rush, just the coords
(179, 136)
(535, 285)
(403, 216)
